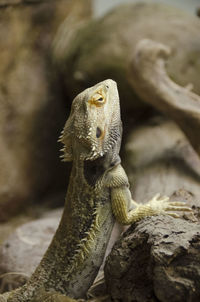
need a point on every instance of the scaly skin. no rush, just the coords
(98, 190)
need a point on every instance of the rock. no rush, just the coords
(157, 259)
(22, 251)
(32, 111)
(159, 159)
(104, 48)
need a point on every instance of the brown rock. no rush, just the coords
(157, 259)
(32, 111)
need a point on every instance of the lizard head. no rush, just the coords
(94, 124)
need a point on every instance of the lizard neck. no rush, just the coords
(76, 252)
(84, 230)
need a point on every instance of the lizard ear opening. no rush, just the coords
(66, 139)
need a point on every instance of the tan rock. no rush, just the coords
(159, 159)
(103, 48)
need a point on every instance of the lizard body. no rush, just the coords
(98, 192)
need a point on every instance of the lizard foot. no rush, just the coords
(162, 205)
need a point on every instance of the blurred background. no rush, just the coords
(100, 7)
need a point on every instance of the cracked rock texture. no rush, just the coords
(156, 259)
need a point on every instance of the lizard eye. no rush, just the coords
(97, 99)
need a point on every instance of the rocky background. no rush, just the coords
(49, 52)
(32, 105)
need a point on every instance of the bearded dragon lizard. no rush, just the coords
(98, 193)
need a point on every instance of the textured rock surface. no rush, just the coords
(32, 111)
(22, 251)
(104, 47)
(157, 259)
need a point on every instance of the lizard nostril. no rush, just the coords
(98, 132)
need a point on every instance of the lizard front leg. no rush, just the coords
(127, 211)
(157, 205)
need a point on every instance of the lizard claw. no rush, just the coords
(162, 205)
(160, 198)
(175, 215)
(178, 206)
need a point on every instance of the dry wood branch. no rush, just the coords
(153, 85)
